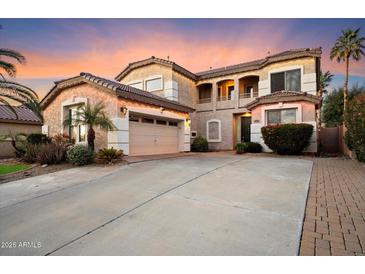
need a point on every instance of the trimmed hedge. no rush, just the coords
(80, 155)
(200, 144)
(248, 147)
(287, 139)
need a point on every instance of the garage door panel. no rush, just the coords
(148, 139)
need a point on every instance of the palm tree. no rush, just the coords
(324, 82)
(92, 117)
(14, 91)
(348, 45)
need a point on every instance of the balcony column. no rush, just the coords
(236, 92)
(214, 95)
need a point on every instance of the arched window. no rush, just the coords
(214, 130)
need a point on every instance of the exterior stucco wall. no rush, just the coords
(169, 89)
(176, 87)
(308, 74)
(308, 64)
(226, 119)
(308, 82)
(53, 112)
(187, 90)
(118, 138)
(6, 150)
(306, 113)
(236, 106)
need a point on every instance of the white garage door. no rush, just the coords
(152, 136)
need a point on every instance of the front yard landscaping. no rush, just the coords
(10, 168)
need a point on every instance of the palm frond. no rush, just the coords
(325, 79)
(21, 94)
(35, 106)
(90, 115)
(348, 45)
(9, 68)
(18, 89)
(13, 54)
(11, 108)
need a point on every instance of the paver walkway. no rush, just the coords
(335, 215)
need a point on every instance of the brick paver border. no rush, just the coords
(334, 222)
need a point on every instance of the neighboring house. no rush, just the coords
(227, 105)
(26, 122)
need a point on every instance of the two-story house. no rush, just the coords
(159, 106)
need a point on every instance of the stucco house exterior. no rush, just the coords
(145, 123)
(226, 105)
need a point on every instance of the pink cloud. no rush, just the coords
(106, 55)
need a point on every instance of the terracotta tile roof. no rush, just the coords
(25, 115)
(154, 60)
(242, 67)
(258, 64)
(120, 90)
(283, 96)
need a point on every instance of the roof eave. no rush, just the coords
(279, 99)
(13, 121)
(180, 108)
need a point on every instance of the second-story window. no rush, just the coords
(154, 84)
(138, 85)
(286, 80)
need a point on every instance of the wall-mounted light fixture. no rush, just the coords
(162, 109)
(123, 110)
(187, 122)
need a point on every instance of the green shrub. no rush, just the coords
(80, 155)
(200, 144)
(287, 138)
(109, 154)
(355, 125)
(37, 138)
(248, 147)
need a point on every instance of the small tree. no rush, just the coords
(92, 116)
(332, 111)
(355, 124)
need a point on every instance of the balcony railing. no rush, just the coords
(205, 100)
(249, 95)
(224, 98)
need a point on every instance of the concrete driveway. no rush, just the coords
(209, 204)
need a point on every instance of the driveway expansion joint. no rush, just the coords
(144, 203)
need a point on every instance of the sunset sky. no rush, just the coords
(61, 48)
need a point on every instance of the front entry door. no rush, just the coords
(245, 129)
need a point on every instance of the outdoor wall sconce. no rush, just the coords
(123, 110)
(161, 109)
(187, 122)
